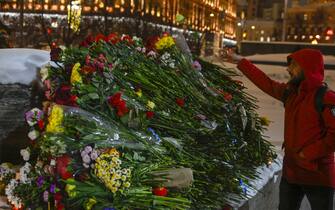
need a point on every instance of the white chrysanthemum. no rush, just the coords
(25, 153)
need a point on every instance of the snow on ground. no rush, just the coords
(21, 65)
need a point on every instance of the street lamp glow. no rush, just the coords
(239, 24)
(253, 27)
(317, 36)
(211, 15)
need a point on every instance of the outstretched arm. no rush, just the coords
(261, 80)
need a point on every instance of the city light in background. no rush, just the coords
(222, 22)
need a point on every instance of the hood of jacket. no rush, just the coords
(311, 62)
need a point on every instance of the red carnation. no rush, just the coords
(116, 102)
(180, 102)
(113, 38)
(227, 96)
(62, 166)
(160, 191)
(100, 37)
(122, 108)
(127, 38)
(115, 99)
(40, 124)
(150, 114)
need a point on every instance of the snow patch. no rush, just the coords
(20, 65)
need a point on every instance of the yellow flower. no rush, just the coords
(70, 189)
(114, 152)
(165, 43)
(55, 120)
(139, 93)
(90, 203)
(265, 121)
(151, 105)
(75, 76)
(114, 189)
(126, 184)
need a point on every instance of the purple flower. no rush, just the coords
(40, 181)
(94, 155)
(88, 149)
(152, 54)
(53, 188)
(33, 116)
(196, 65)
(86, 159)
(46, 196)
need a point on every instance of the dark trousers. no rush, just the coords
(291, 195)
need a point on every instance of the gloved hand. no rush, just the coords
(232, 57)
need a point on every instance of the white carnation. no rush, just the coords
(34, 134)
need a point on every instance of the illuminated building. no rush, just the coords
(216, 17)
(313, 22)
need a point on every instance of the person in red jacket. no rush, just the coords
(309, 139)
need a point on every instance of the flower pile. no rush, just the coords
(121, 115)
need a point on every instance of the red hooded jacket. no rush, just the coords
(303, 130)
